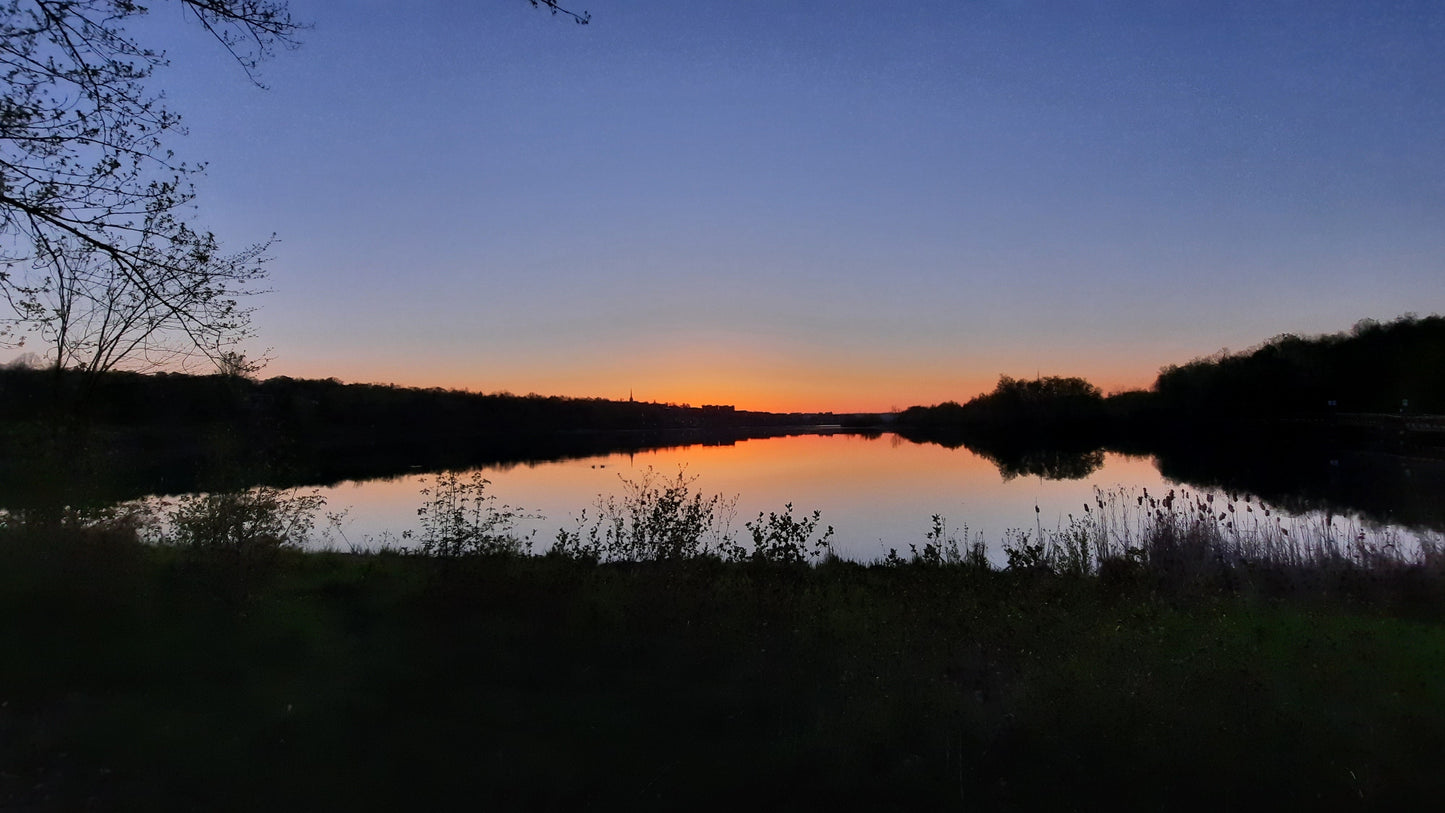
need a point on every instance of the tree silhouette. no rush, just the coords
(96, 256)
(581, 19)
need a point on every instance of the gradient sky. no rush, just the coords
(819, 205)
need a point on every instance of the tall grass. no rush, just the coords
(661, 519)
(1189, 537)
(1183, 538)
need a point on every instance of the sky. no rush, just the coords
(848, 206)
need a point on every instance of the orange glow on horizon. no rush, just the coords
(766, 385)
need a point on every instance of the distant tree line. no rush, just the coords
(1375, 368)
(310, 407)
(1048, 409)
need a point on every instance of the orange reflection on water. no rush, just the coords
(878, 493)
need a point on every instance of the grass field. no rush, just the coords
(136, 676)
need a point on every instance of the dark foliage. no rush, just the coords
(1364, 382)
(322, 407)
(1050, 427)
(387, 682)
(1379, 386)
(1374, 368)
(173, 433)
(1042, 409)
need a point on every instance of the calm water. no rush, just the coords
(876, 492)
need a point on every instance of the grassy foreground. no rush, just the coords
(131, 677)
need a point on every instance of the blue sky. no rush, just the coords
(820, 205)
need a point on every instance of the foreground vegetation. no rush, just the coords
(1130, 659)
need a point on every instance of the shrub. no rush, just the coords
(943, 548)
(135, 520)
(785, 539)
(253, 523)
(459, 518)
(653, 520)
(1023, 556)
(237, 536)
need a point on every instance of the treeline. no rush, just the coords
(295, 406)
(1050, 410)
(1374, 369)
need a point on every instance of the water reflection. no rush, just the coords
(876, 493)
(1051, 464)
(878, 490)
(1380, 487)
(109, 471)
(1015, 460)
(1300, 472)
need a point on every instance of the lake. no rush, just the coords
(877, 491)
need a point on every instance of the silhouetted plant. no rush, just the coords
(785, 539)
(459, 518)
(1022, 554)
(137, 520)
(653, 520)
(1188, 540)
(943, 548)
(237, 536)
(245, 522)
(1070, 550)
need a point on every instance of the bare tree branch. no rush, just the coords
(581, 19)
(96, 256)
